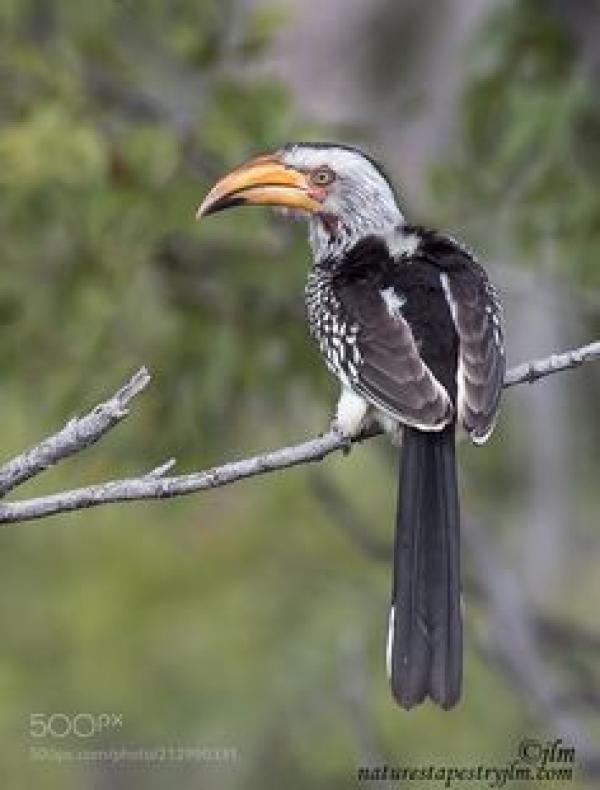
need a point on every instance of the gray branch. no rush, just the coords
(77, 434)
(538, 368)
(80, 433)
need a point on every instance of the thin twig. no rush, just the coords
(537, 369)
(78, 434)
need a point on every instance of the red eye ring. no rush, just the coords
(322, 176)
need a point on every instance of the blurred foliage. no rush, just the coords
(531, 115)
(523, 184)
(241, 618)
(116, 116)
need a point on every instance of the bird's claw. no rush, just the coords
(344, 438)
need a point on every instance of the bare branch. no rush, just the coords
(80, 433)
(537, 369)
(152, 487)
(77, 434)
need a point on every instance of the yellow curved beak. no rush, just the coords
(264, 181)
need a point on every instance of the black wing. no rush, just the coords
(405, 359)
(479, 321)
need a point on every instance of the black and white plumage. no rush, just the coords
(411, 326)
(419, 336)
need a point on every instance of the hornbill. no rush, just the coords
(409, 323)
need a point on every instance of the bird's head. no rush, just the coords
(343, 192)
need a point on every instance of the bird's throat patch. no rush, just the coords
(331, 224)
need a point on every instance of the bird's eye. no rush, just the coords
(322, 176)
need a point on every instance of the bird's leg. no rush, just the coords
(350, 415)
(391, 427)
(346, 439)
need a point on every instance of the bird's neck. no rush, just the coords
(330, 237)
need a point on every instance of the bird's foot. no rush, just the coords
(345, 438)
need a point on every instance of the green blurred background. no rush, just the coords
(253, 618)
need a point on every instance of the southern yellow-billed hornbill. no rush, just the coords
(410, 324)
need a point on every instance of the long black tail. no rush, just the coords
(425, 634)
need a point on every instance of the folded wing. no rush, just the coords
(390, 371)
